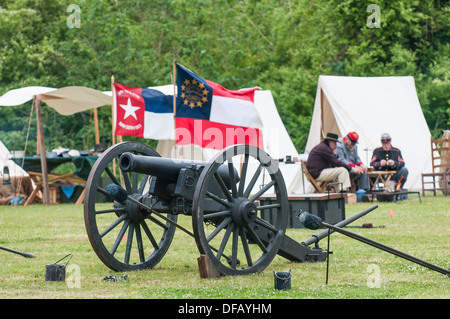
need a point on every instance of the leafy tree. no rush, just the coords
(282, 46)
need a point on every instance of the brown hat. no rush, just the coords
(332, 137)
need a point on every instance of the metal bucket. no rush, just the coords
(282, 280)
(56, 272)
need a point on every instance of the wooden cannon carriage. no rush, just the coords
(135, 227)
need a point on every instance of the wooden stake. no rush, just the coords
(206, 268)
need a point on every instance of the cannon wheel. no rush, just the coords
(236, 228)
(123, 236)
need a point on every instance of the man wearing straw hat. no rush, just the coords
(324, 166)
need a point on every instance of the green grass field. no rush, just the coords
(357, 271)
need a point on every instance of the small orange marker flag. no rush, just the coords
(391, 213)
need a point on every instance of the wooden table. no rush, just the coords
(381, 176)
(37, 179)
(32, 165)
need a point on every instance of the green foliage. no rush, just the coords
(282, 46)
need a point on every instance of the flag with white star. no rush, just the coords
(143, 112)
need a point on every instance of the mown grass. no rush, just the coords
(51, 232)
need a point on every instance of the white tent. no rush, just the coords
(6, 161)
(372, 106)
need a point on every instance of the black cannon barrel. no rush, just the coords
(317, 237)
(165, 168)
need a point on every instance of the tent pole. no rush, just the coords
(97, 134)
(40, 134)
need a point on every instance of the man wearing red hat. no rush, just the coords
(347, 151)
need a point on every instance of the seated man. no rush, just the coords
(389, 158)
(347, 151)
(323, 165)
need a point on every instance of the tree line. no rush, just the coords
(279, 45)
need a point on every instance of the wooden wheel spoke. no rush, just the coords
(270, 206)
(255, 237)
(221, 226)
(262, 190)
(135, 182)
(157, 222)
(218, 199)
(245, 246)
(119, 237)
(223, 187)
(112, 176)
(139, 243)
(114, 224)
(149, 235)
(217, 214)
(243, 175)
(232, 178)
(224, 242)
(265, 224)
(234, 247)
(126, 180)
(112, 210)
(253, 180)
(129, 244)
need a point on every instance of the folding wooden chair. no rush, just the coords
(440, 159)
(320, 187)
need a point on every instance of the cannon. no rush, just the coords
(133, 198)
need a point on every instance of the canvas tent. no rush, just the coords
(371, 106)
(21, 184)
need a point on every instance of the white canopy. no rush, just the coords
(372, 106)
(66, 101)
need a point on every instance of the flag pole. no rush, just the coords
(174, 90)
(175, 103)
(113, 118)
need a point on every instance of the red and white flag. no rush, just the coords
(143, 112)
(212, 116)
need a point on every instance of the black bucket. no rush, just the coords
(282, 280)
(55, 272)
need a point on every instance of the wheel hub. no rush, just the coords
(134, 211)
(244, 212)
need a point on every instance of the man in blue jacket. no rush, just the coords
(347, 151)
